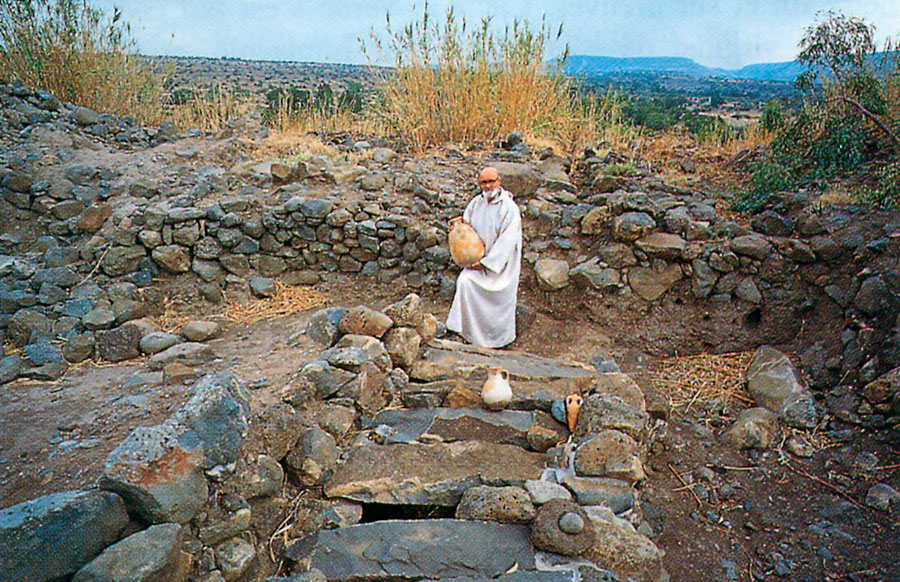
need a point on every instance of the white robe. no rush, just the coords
(484, 307)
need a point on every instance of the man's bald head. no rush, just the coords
(489, 179)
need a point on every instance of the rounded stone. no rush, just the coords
(547, 533)
(157, 341)
(571, 523)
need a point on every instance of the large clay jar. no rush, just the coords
(466, 246)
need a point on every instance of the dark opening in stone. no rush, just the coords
(753, 319)
(383, 511)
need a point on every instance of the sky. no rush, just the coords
(716, 33)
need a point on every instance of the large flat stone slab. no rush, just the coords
(458, 360)
(417, 549)
(416, 474)
(459, 424)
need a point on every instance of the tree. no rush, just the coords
(842, 57)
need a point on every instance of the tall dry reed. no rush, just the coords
(472, 87)
(79, 54)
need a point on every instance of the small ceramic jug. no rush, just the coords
(573, 407)
(466, 247)
(496, 392)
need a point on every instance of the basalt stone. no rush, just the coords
(502, 504)
(59, 276)
(543, 491)
(262, 286)
(262, 477)
(547, 535)
(94, 216)
(552, 274)
(403, 344)
(122, 260)
(235, 558)
(324, 325)
(184, 214)
(207, 270)
(189, 354)
(79, 348)
(752, 245)
(99, 318)
(200, 331)
(26, 322)
(208, 248)
(754, 428)
(236, 264)
(319, 379)
(275, 430)
(773, 383)
(362, 320)
(159, 469)
(85, 117)
(271, 266)
(42, 352)
(630, 555)
(631, 226)
(148, 555)
(173, 258)
(316, 208)
(409, 312)
(598, 277)
(429, 475)
(413, 550)
(607, 411)
(51, 537)
(119, 344)
(616, 494)
(314, 456)
(610, 453)
(662, 245)
(10, 368)
(67, 209)
(771, 223)
(651, 283)
(874, 296)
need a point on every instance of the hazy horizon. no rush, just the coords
(712, 33)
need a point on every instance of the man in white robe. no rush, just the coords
(484, 307)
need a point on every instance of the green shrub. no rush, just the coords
(654, 113)
(886, 192)
(708, 128)
(772, 118)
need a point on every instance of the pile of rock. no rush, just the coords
(59, 318)
(181, 497)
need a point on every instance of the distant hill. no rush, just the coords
(584, 65)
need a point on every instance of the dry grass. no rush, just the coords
(286, 301)
(78, 54)
(471, 87)
(211, 109)
(691, 380)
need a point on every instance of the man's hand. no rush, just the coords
(477, 266)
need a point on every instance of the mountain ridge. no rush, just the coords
(588, 65)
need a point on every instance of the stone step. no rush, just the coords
(436, 474)
(454, 360)
(461, 424)
(416, 549)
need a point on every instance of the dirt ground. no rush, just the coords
(772, 516)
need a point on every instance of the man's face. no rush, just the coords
(488, 183)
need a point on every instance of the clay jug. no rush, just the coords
(496, 392)
(466, 246)
(573, 407)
